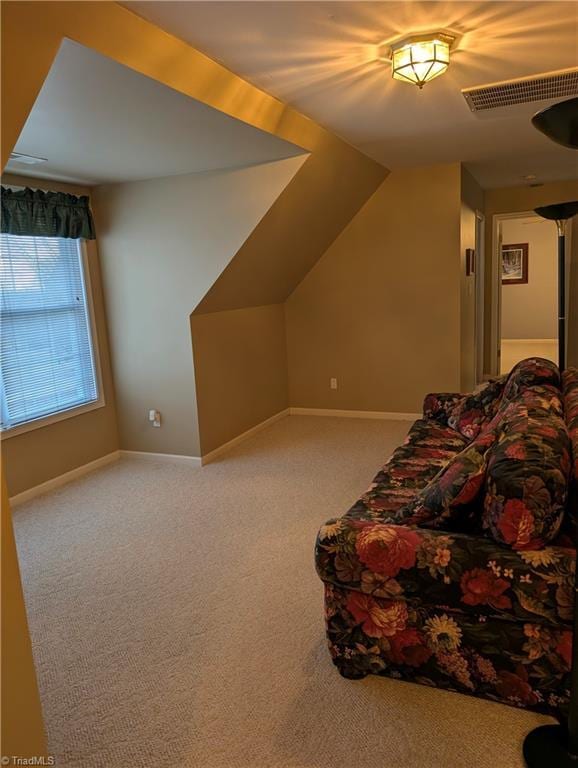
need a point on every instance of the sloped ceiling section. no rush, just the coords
(331, 187)
(328, 190)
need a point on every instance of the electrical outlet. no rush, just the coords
(155, 417)
(333, 383)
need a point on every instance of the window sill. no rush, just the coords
(46, 421)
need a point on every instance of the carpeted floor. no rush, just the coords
(177, 619)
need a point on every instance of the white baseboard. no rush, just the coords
(182, 458)
(55, 482)
(530, 341)
(197, 461)
(212, 455)
(385, 415)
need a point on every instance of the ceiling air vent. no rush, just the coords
(554, 85)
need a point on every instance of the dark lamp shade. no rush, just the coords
(558, 211)
(559, 123)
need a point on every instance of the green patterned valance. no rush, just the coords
(46, 214)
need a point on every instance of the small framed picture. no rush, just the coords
(515, 264)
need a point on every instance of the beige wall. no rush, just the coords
(240, 370)
(529, 310)
(164, 242)
(380, 311)
(34, 457)
(514, 200)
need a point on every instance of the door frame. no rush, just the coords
(496, 288)
(480, 304)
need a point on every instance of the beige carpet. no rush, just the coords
(177, 619)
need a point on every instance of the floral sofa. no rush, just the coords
(456, 567)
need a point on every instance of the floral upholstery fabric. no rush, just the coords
(468, 413)
(532, 372)
(570, 390)
(528, 472)
(417, 589)
(437, 406)
(426, 449)
(457, 571)
(518, 663)
(451, 610)
(473, 411)
(449, 500)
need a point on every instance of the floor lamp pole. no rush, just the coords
(561, 224)
(557, 745)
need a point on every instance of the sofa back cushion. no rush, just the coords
(450, 501)
(528, 469)
(531, 372)
(471, 412)
(570, 395)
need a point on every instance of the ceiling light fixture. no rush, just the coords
(420, 58)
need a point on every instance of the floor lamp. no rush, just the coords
(560, 213)
(557, 745)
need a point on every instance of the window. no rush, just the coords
(47, 361)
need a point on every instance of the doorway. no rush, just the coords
(526, 291)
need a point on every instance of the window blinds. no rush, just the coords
(46, 357)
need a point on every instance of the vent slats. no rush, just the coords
(557, 85)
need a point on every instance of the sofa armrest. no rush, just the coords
(453, 571)
(437, 406)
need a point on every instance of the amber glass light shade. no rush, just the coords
(419, 61)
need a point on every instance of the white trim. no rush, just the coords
(496, 288)
(212, 455)
(181, 458)
(195, 461)
(529, 341)
(392, 416)
(53, 418)
(480, 303)
(76, 410)
(55, 482)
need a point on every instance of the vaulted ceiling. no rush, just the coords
(320, 57)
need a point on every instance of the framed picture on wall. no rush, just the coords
(515, 264)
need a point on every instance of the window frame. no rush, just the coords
(77, 410)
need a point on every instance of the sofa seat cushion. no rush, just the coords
(455, 571)
(528, 472)
(427, 448)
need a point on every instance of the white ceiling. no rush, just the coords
(97, 121)
(321, 58)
